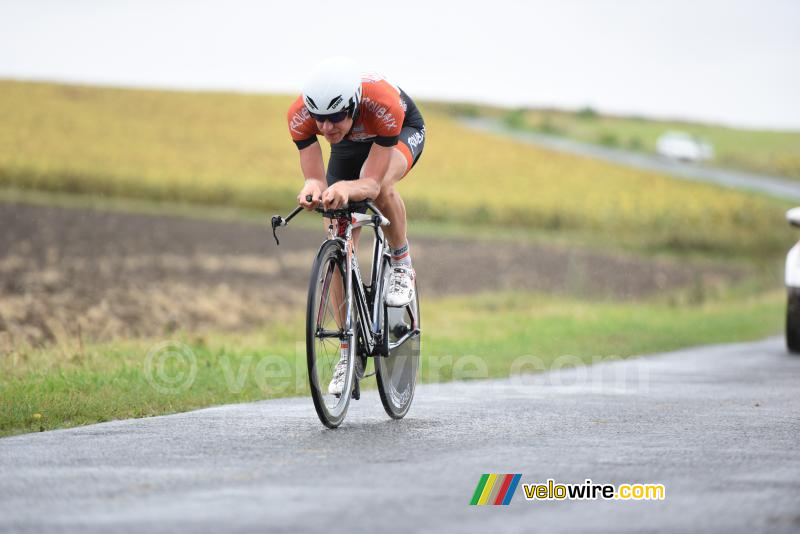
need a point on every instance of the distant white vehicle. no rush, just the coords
(793, 288)
(683, 147)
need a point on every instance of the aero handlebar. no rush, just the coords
(345, 211)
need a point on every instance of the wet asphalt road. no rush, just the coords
(770, 185)
(719, 426)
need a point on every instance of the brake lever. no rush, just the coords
(278, 221)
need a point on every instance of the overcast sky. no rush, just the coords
(730, 61)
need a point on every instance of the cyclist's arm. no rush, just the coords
(314, 173)
(311, 164)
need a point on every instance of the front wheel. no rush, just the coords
(328, 338)
(396, 373)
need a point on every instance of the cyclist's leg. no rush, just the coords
(405, 155)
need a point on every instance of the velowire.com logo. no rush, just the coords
(499, 489)
(495, 489)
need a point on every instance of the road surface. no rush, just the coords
(718, 426)
(770, 185)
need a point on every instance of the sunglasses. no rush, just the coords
(339, 116)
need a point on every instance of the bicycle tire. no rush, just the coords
(322, 350)
(793, 321)
(396, 373)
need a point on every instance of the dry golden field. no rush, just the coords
(226, 148)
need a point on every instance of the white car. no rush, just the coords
(793, 288)
(683, 147)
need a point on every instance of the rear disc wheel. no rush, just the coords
(396, 373)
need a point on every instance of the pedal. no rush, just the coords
(356, 391)
(400, 329)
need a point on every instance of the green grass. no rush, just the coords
(226, 149)
(471, 337)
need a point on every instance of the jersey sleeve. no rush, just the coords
(302, 127)
(386, 113)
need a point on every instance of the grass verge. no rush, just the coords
(478, 336)
(763, 151)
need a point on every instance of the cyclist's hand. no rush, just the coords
(313, 190)
(336, 196)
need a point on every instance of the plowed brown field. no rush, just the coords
(69, 273)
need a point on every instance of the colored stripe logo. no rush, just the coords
(495, 489)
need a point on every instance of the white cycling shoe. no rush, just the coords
(337, 382)
(401, 287)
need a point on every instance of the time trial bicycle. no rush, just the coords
(347, 318)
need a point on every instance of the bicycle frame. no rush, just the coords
(370, 308)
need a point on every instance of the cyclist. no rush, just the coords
(376, 135)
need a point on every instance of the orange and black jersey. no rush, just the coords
(383, 111)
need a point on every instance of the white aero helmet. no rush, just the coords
(333, 86)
